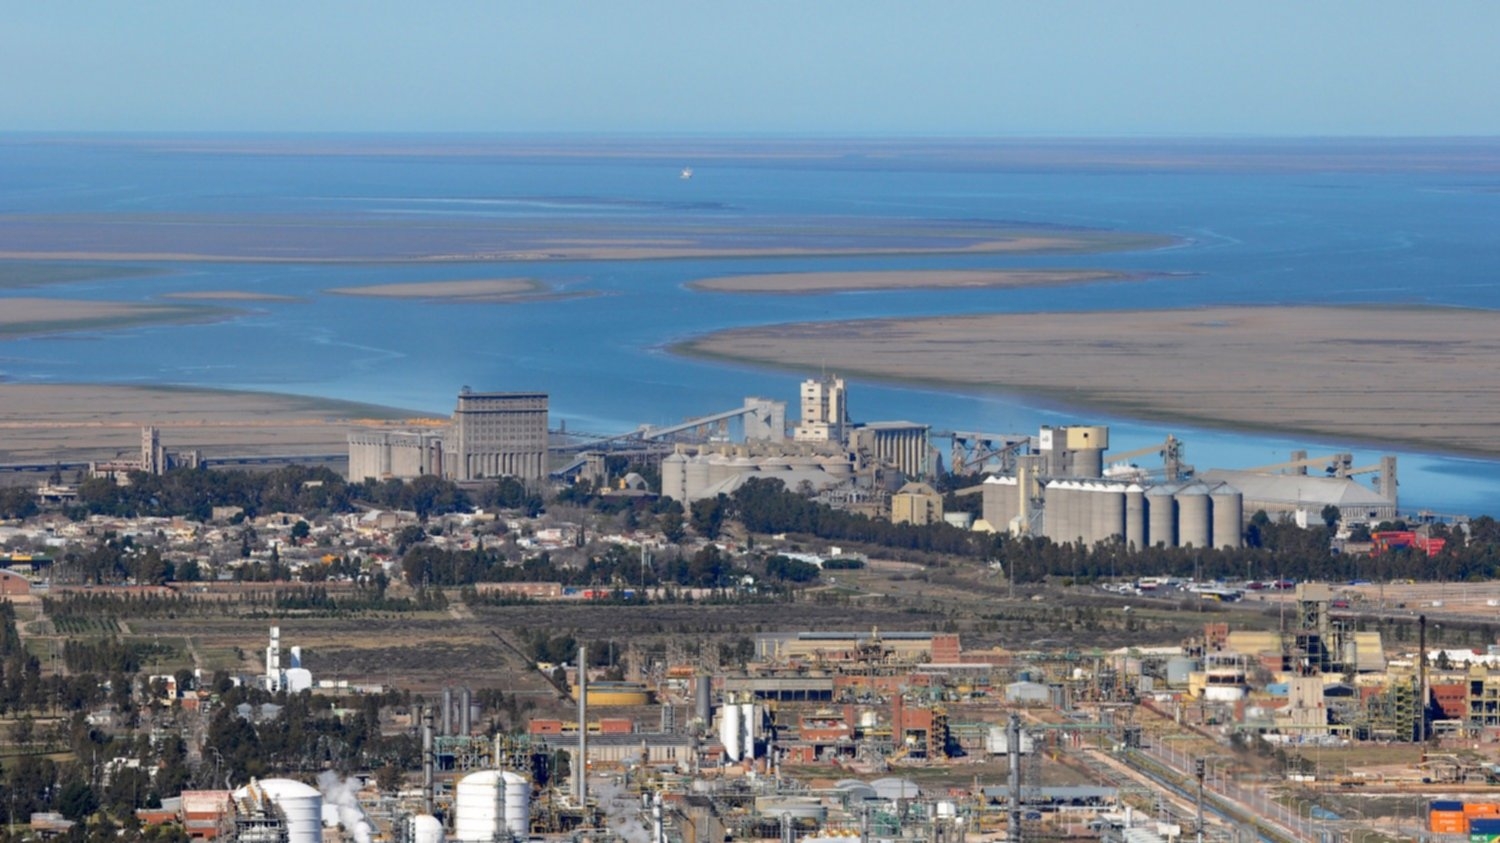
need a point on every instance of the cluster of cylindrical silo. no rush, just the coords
(1089, 511)
(690, 477)
(462, 725)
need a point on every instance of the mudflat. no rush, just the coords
(227, 295)
(78, 422)
(484, 289)
(813, 283)
(27, 315)
(1425, 377)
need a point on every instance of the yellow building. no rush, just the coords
(916, 503)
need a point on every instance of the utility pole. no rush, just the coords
(1199, 769)
(1013, 750)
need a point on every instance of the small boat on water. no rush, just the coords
(687, 173)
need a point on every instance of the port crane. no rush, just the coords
(1341, 465)
(1170, 450)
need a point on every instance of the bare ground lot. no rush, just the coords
(77, 422)
(1416, 376)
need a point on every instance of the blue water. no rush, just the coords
(1418, 235)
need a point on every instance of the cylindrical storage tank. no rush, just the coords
(465, 712)
(479, 807)
(1112, 501)
(301, 804)
(447, 712)
(1088, 462)
(703, 699)
(298, 679)
(1080, 521)
(1135, 517)
(673, 467)
(1179, 669)
(1001, 499)
(1228, 513)
(1161, 517)
(1194, 526)
(425, 828)
(695, 478)
(1055, 514)
(729, 731)
(718, 469)
(517, 804)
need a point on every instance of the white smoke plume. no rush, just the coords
(344, 794)
(621, 810)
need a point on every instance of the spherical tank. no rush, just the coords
(478, 807)
(1161, 517)
(1135, 517)
(673, 475)
(1193, 521)
(695, 473)
(1112, 500)
(1229, 513)
(301, 804)
(425, 828)
(517, 804)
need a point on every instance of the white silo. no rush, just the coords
(300, 804)
(673, 476)
(1135, 517)
(695, 473)
(517, 804)
(425, 828)
(750, 723)
(729, 731)
(1229, 514)
(719, 469)
(479, 807)
(1194, 526)
(839, 467)
(1161, 516)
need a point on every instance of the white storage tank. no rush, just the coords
(301, 804)
(1193, 520)
(695, 472)
(425, 828)
(1229, 514)
(729, 731)
(479, 807)
(298, 679)
(517, 804)
(719, 469)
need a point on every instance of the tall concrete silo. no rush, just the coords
(1000, 499)
(673, 479)
(1135, 517)
(1161, 516)
(1228, 515)
(1112, 502)
(1194, 523)
(695, 472)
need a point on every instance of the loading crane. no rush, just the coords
(1170, 450)
(1334, 465)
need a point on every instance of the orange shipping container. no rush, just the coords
(1447, 822)
(1481, 809)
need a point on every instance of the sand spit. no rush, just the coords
(812, 283)
(482, 290)
(228, 295)
(22, 316)
(1419, 376)
(73, 422)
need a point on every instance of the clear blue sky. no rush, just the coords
(1112, 67)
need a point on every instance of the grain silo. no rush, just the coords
(1112, 502)
(1228, 516)
(1194, 524)
(695, 470)
(1135, 517)
(1001, 501)
(673, 478)
(1161, 516)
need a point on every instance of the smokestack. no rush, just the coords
(581, 764)
(447, 712)
(1422, 678)
(465, 712)
(1013, 750)
(427, 760)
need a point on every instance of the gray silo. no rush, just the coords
(1135, 517)
(1229, 514)
(1161, 516)
(1055, 512)
(1001, 497)
(1112, 502)
(1194, 525)
(695, 474)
